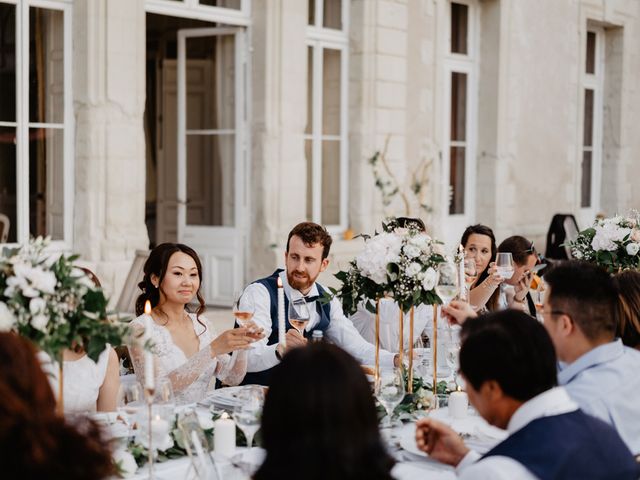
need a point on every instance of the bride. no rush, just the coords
(186, 350)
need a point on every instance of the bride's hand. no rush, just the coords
(230, 340)
(254, 331)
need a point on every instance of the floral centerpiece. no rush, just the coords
(613, 243)
(398, 262)
(51, 301)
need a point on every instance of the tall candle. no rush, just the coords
(224, 435)
(458, 403)
(463, 285)
(282, 340)
(149, 371)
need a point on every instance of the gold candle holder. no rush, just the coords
(401, 337)
(410, 386)
(377, 366)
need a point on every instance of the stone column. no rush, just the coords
(109, 100)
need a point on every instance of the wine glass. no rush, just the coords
(248, 411)
(453, 358)
(243, 308)
(298, 314)
(504, 265)
(389, 391)
(470, 272)
(447, 286)
(130, 401)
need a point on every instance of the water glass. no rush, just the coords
(248, 411)
(130, 401)
(447, 286)
(389, 391)
(504, 264)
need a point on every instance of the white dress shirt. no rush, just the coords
(552, 402)
(605, 383)
(341, 331)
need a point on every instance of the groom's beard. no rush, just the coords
(300, 281)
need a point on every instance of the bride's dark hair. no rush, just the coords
(34, 441)
(156, 265)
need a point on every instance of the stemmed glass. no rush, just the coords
(470, 272)
(243, 308)
(389, 391)
(298, 314)
(504, 265)
(248, 412)
(130, 401)
(447, 286)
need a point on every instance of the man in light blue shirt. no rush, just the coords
(600, 373)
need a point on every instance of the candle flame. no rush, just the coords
(279, 283)
(224, 415)
(460, 248)
(459, 389)
(147, 307)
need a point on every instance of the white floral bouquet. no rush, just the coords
(49, 300)
(398, 262)
(612, 243)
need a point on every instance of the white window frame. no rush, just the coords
(22, 124)
(467, 64)
(192, 9)
(320, 38)
(593, 81)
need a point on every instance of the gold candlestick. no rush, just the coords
(411, 350)
(434, 348)
(401, 346)
(377, 366)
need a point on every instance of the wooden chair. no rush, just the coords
(5, 224)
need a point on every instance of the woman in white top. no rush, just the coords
(186, 350)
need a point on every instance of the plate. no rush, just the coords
(408, 441)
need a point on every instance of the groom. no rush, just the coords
(305, 257)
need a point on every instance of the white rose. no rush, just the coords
(125, 461)
(39, 322)
(413, 269)
(429, 280)
(205, 420)
(43, 281)
(7, 319)
(633, 248)
(37, 305)
(411, 251)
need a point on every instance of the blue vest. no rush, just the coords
(270, 283)
(572, 445)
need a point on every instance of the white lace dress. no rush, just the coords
(191, 378)
(82, 380)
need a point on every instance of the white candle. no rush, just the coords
(281, 322)
(149, 371)
(224, 435)
(458, 404)
(463, 285)
(159, 431)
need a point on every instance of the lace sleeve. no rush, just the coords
(231, 369)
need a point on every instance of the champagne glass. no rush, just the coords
(130, 401)
(470, 272)
(243, 308)
(447, 286)
(248, 411)
(389, 391)
(298, 314)
(504, 265)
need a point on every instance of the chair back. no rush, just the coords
(562, 229)
(130, 291)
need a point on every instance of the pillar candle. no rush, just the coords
(149, 371)
(224, 435)
(458, 403)
(281, 321)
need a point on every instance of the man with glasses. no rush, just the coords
(598, 371)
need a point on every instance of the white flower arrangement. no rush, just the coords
(47, 299)
(398, 262)
(613, 243)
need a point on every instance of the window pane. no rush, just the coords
(309, 127)
(332, 14)
(331, 92)
(588, 118)
(46, 65)
(8, 183)
(308, 153)
(330, 182)
(211, 83)
(46, 182)
(8, 63)
(456, 179)
(312, 12)
(591, 52)
(459, 27)
(585, 192)
(235, 4)
(458, 106)
(211, 180)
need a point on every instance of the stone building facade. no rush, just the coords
(223, 123)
